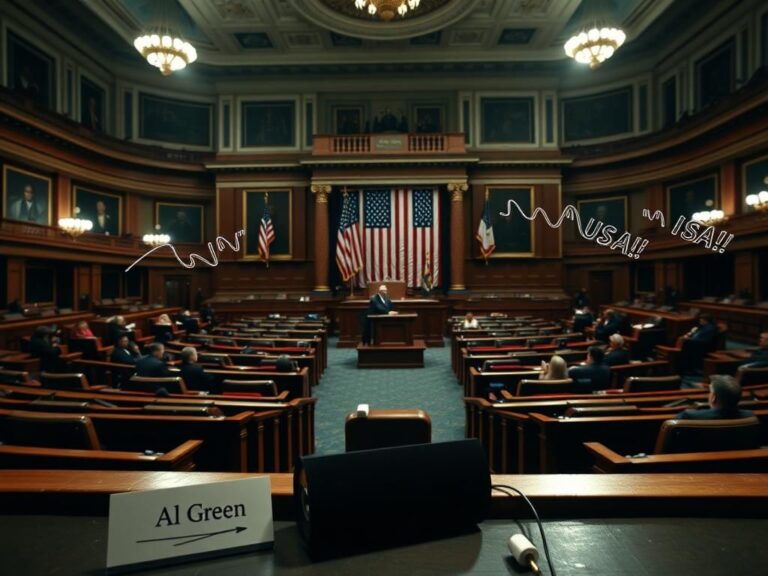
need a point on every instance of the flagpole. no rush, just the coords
(485, 206)
(266, 203)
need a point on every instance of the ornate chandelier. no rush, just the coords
(386, 9)
(759, 201)
(75, 226)
(710, 217)
(155, 239)
(596, 40)
(594, 46)
(165, 51)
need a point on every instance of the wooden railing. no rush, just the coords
(374, 144)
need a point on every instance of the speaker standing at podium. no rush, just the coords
(378, 304)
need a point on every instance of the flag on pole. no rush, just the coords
(485, 231)
(401, 227)
(427, 280)
(266, 232)
(349, 250)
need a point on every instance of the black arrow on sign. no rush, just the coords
(189, 538)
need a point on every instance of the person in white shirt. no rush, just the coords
(470, 322)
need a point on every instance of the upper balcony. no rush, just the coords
(388, 144)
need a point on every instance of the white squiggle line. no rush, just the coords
(658, 215)
(220, 245)
(569, 212)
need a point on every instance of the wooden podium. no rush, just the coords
(392, 344)
(392, 329)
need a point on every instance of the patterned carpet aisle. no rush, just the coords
(433, 388)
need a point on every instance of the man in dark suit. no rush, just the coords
(724, 397)
(152, 365)
(103, 223)
(705, 332)
(28, 208)
(125, 351)
(194, 375)
(378, 304)
(594, 375)
(759, 357)
(610, 324)
(616, 354)
(40, 346)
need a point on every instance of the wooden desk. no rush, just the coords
(392, 329)
(11, 331)
(676, 324)
(428, 326)
(745, 323)
(56, 523)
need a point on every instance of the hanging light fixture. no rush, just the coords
(164, 48)
(596, 40)
(75, 226)
(386, 9)
(759, 201)
(710, 217)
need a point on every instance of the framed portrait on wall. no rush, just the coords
(754, 179)
(278, 203)
(348, 120)
(103, 209)
(175, 121)
(26, 196)
(686, 198)
(31, 72)
(93, 100)
(182, 222)
(428, 119)
(513, 234)
(610, 211)
(507, 120)
(597, 115)
(268, 124)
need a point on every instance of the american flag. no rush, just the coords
(402, 231)
(266, 233)
(349, 250)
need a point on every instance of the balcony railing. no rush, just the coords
(375, 144)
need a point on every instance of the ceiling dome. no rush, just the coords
(343, 17)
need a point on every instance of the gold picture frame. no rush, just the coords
(15, 181)
(182, 221)
(84, 205)
(510, 242)
(280, 212)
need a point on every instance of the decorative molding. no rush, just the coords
(321, 192)
(457, 190)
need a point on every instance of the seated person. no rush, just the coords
(152, 365)
(115, 328)
(759, 357)
(555, 369)
(610, 323)
(705, 332)
(193, 374)
(594, 374)
(616, 354)
(580, 299)
(15, 307)
(582, 318)
(724, 397)
(470, 322)
(188, 323)
(164, 320)
(81, 330)
(42, 345)
(125, 351)
(206, 313)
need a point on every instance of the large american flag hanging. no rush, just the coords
(402, 234)
(349, 251)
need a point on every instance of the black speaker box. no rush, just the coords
(353, 502)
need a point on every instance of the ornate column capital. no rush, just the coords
(321, 192)
(457, 190)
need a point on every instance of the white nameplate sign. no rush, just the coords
(180, 524)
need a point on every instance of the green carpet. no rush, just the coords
(433, 389)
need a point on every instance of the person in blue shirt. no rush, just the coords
(705, 332)
(724, 397)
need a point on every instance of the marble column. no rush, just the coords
(457, 190)
(321, 192)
